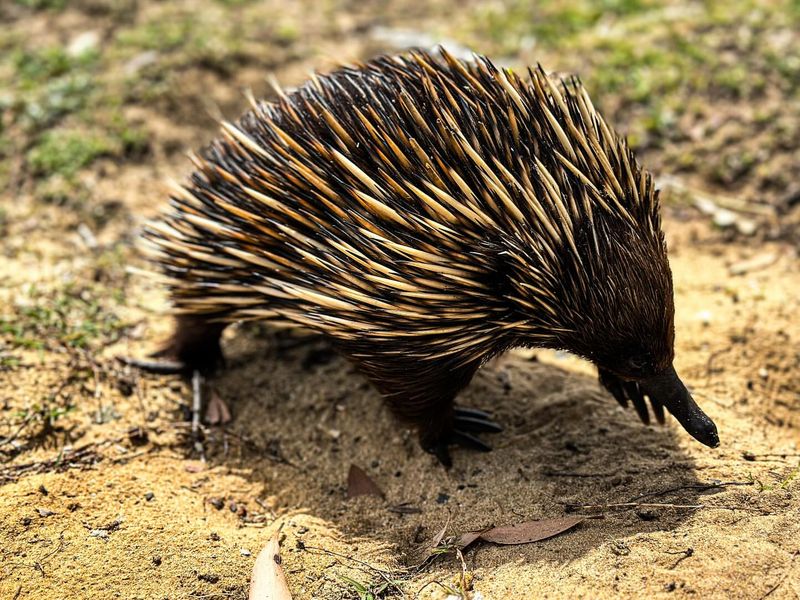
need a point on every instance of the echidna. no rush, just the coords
(425, 214)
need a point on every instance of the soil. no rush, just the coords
(103, 494)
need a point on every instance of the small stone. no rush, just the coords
(99, 533)
(43, 490)
(746, 227)
(43, 512)
(244, 551)
(149, 496)
(442, 498)
(724, 218)
(157, 561)
(83, 43)
(217, 503)
(704, 316)
(140, 61)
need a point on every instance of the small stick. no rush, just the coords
(701, 486)
(369, 568)
(626, 505)
(197, 401)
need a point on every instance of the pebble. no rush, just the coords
(140, 61)
(83, 43)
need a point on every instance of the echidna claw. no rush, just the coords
(625, 391)
(658, 410)
(613, 385)
(467, 440)
(159, 367)
(466, 422)
(463, 411)
(474, 421)
(634, 392)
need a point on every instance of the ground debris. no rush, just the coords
(360, 484)
(83, 457)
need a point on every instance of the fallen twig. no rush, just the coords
(699, 486)
(84, 457)
(633, 505)
(366, 567)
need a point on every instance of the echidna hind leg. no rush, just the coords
(193, 346)
(192, 350)
(427, 401)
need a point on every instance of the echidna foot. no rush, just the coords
(466, 421)
(159, 367)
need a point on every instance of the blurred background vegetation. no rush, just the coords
(101, 99)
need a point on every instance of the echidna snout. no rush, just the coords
(668, 390)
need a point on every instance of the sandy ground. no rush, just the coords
(102, 494)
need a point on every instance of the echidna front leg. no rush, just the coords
(424, 398)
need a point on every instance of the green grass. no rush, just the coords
(68, 317)
(65, 152)
(68, 109)
(36, 66)
(42, 4)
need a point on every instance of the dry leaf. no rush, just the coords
(217, 412)
(360, 484)
(437, 539)
(761, 261)
(467, 538)
(522, 533)
(268, 581)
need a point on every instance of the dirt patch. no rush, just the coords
(100, 490)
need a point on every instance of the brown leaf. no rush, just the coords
(467, 538)
(217, 412)
(360, 484)
(268, 581)
(437, 539)
(522, 533)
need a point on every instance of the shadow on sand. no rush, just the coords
(566, 442)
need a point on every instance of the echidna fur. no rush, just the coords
(425, 214)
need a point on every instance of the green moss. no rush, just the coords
(54, 100)
(286, 32)
(161, 34)
(68, 317)
(42, 4)
(37, 66)
(510, 25)
(65, 152)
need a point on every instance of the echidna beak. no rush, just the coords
(667, 389)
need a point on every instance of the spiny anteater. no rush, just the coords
(426, 214)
